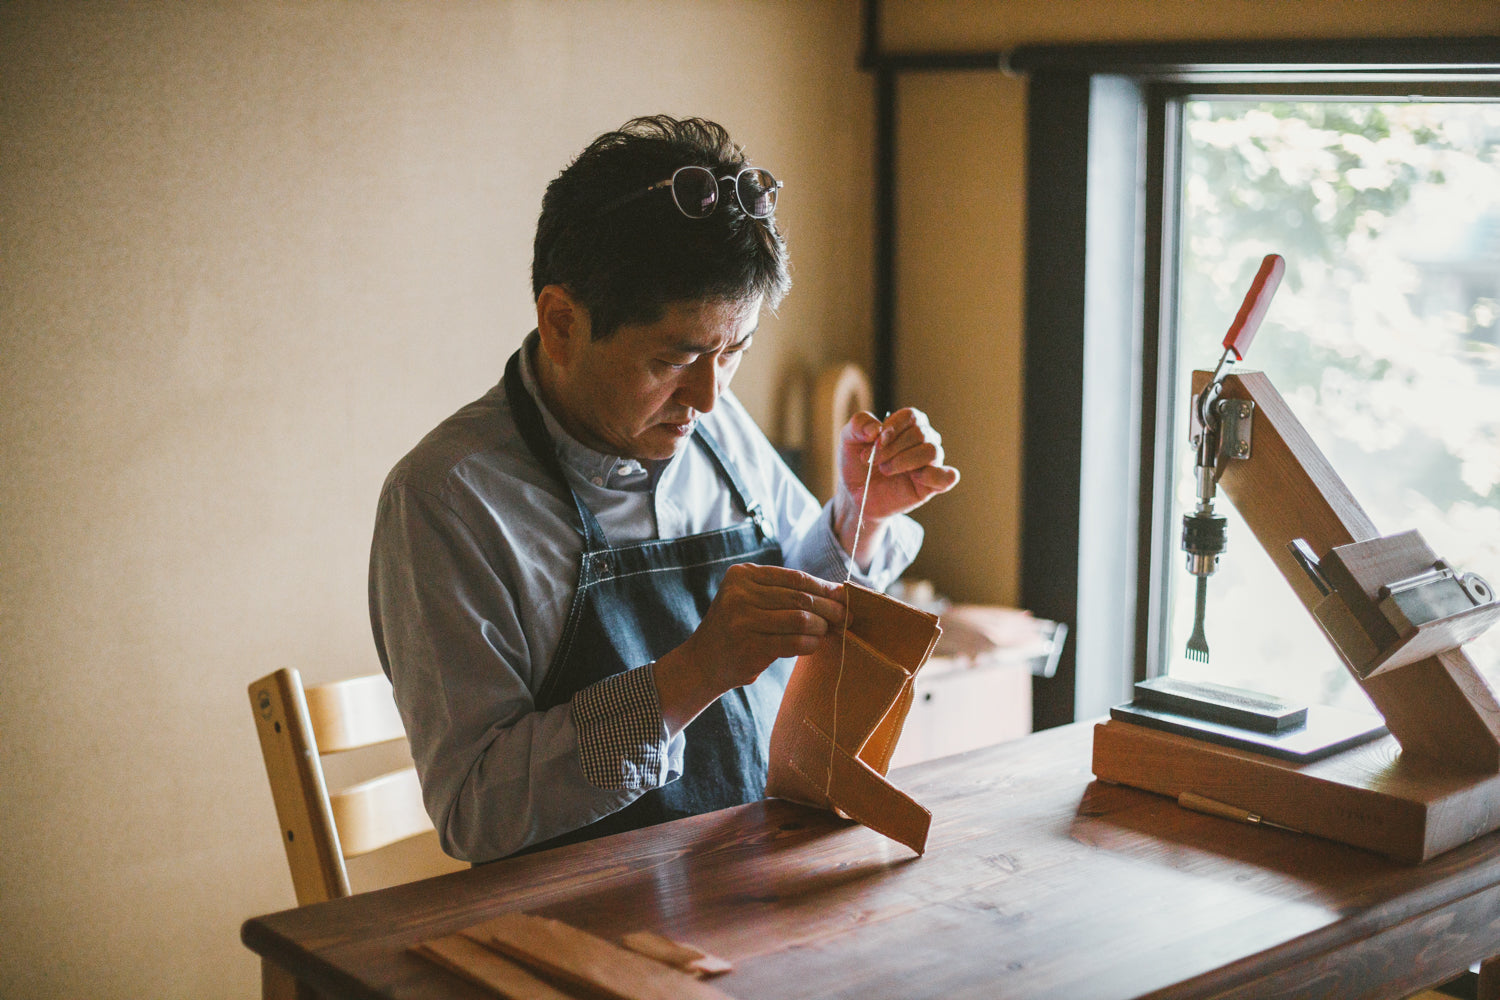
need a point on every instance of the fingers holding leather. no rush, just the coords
(784, 577)
(765, 612)
(799, 605)
(790, 590)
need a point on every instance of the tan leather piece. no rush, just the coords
(577, 957)
(886, 644)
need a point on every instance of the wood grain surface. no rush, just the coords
(1037, 882)
(1372, 796)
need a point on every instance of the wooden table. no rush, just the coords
(1037, 882)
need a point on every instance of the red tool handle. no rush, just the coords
(1253, 309)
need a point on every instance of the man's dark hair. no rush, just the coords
(626, 261)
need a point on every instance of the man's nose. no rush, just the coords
(700, 386)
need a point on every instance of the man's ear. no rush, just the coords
(562, 321)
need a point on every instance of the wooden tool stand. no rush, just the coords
(1390, 610)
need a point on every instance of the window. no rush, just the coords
(1158, 176)
(1382, 338)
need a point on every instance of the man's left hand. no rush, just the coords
(908, 472)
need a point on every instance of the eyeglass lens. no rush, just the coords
(696, 191)
(756, 190)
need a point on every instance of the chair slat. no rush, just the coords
(379, 812)
(358, 712)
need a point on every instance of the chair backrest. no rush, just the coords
(319, 829)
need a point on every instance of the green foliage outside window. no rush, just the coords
(1384, 338)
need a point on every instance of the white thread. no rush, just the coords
(844, 639)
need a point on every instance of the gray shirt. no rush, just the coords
(472, 571)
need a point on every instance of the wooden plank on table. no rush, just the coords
(576, 956)
(694, 961)
(482, 967)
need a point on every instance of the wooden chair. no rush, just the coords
(298, 726)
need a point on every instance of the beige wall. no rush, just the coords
(248, 254)
(961, 223)
(961, 274)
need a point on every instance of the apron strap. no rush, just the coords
(534, 432)
(737, 486)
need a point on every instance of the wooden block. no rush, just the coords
(1220, 703)
(1434, 638)
(1437, 706)
(1346, 633)
(686, 957)
(1371, 796)
(483, 967)
(575, 956)
(1358, 570)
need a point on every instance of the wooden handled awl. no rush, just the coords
(1212, 807)
(1253, 309)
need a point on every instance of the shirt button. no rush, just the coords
(597, 481)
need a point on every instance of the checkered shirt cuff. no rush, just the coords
(621, 738)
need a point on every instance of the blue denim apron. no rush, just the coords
(634, 603)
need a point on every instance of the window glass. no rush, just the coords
(1384, 338)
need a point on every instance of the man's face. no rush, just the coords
(639, 393)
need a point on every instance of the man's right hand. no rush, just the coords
(760, 614)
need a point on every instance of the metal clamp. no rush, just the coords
(1440, 592)
(1236, 416)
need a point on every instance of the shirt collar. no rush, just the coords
(596, 467)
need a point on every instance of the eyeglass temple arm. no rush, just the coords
(626, 199)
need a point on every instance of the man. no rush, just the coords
(586, 585)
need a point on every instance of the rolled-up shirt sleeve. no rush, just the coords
(497, 774)
(621, 736)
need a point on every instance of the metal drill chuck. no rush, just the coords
(1204, 535)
